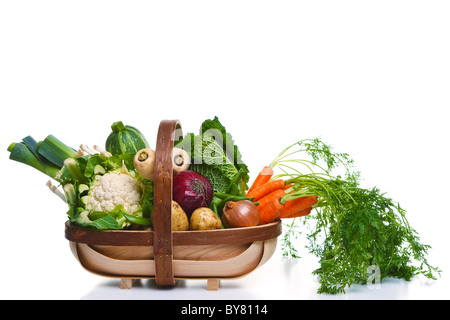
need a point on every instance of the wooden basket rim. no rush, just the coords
(180, 238)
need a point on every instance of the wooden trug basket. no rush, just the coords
(166, 255)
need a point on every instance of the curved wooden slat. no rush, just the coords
(236, 266)
(162, 213)
(185, 238)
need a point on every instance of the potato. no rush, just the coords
(180, 221)
(204, 219)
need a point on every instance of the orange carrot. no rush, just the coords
(274, 194)
(262, 178)
(270, 211)
(298, 204)
(266, 188)
(300, 213)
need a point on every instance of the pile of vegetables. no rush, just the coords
(101, 186)
(316, 189)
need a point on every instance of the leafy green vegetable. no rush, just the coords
(118, 218)
(351, 227)
(217, 179)
(213, 128)
(112, 220)
(214, 154)
(208, 151)
(77, 173)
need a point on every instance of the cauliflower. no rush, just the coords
(113, 189)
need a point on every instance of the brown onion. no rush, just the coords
(240, 214)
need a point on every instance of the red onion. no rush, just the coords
(192, 190)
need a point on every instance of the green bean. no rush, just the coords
(241, 189)
(220, 195)
(235, 197)
(235, 180)
(138, 220)
(233, 189)
(214, 203)
(232, 198)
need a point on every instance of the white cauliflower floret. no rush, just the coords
(113, 189)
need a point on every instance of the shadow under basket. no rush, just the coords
(166, 255)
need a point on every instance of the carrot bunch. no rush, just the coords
(272, 201)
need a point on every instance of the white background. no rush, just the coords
(371, 78)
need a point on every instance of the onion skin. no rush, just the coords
(239, 214)
(192, 190)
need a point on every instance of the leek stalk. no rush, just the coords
(46, 156)
(23, 153)
(55, 150)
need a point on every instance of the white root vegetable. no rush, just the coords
(102, 151)
(144, 163)
(55, 190)
(180, 160)
(145, 160)
(86, 150)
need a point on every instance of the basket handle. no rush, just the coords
(169, 131)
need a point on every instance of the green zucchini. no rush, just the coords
(125, 139)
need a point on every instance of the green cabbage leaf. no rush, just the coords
(214, 154)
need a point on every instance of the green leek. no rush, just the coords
(55, 151)
(24, 152)
(47, 156)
